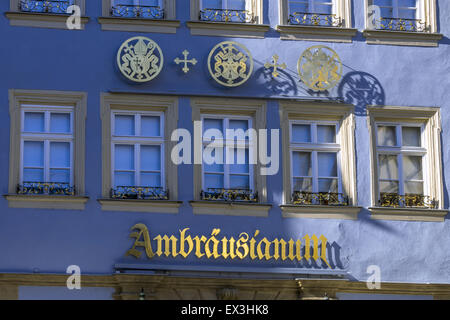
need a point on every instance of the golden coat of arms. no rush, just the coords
(320, 68)
(140, 59)
(230, 63)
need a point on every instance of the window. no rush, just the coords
(138, 174)
(400, 15)
(406, 163)
(318, 161)
(44, 13)
(47, 150)
(318, 20)
(227, 10)
(150, 9)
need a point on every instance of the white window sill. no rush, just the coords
(315, 33)
(138, 25)
(400, 38)
(408, 214)
(131, 205)
(46, 202)
(320, 212)
(231, 208)
(41, 20)
(227, 29)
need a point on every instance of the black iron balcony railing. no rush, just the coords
(220, 194)
(314, 19)
(45, 6)
(226, 15)
(399, 24)
(407, 201)
(131, 11)
(141, 193)
(46, 188)
(319, 198)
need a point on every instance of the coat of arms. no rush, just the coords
(140, 59)
(320, 68)
(230, 63)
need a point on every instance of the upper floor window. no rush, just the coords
(45, 6)
(150, 9)
(242, 11)
(399, 15)
(314, 13)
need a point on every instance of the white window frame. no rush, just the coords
(167, 5)
(314, 147)
(311, 4)
(395, 8)
(225, 142)
(136, 141)
(47, 137)
(254, 6)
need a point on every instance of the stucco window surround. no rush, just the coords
(145, 103)
(255, 29)
(429, 119)
(42, 20)
(41, 99)
(342, 33)
(426, 12)
(238, 107)
(334, 112)
(168, 24)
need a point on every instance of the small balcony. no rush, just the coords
(395, 200)
(319, 198)
(132, 11)
(226, 15)
(139, 193)
(46, 188)
(399, 24)
(314, 19)
(45, 6)
(231, 195)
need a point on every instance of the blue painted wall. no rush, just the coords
(49, 241)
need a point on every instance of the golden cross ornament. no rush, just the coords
(275, 66)
(185, 61)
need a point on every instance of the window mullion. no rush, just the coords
(226, 169)
(46, 161)
(401, 182)
(137, 164)
(315, 171)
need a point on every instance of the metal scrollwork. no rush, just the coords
(320, 68)
(235, 195)
(46, 188)
(230, 63)
(140, 59)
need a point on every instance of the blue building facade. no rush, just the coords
(349, 201)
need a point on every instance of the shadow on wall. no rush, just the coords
(283, 85)
(333, 258)
(361, 89)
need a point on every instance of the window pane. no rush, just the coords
(322, 8)
(387, 13)
(124, 157)
(238, 124)
(150, 179)
(213, 124)
(388, 167)
(239, 182)
(328, 185)
(298, 6)
(387, 136)
(301, 164)
(411, 136)
(150, 158)
(213, 181)
(33, 154)
(326, 134)
(150, 126)
(407, 3)
(236, 4)
(412, 168)
(240, 161)
(212, 4)
(327, 164)
(60, 122)
(215, 166)
(388, 186)
(301, 133)
(60, 175)
(383, 2)
(34, 122)
(124, 125)
(124, 179)
(33, 175)
(414, 187)
(302, 184)
(60, 155)
(407, 13)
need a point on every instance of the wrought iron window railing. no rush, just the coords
(319, 198)
(137, 11)
(45, 6)
(46, 188)
(314, 19)
(399, 24)
(140, 193)
(237, 195)
(227, 15)
(407, 201)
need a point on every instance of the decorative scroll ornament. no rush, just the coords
(275, 65)
(320, 68)
(185, 61)
(230, 63)
(140, 59)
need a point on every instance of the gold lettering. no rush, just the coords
(276, 253)
(166, 245)
(266, 250)
(198, 248)
(225, 252)
(241, 243)
(183, 240)
(252, 246)
(323, 254)
(298, 251)
(315, 255)
(214, 252)
(138, 243)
